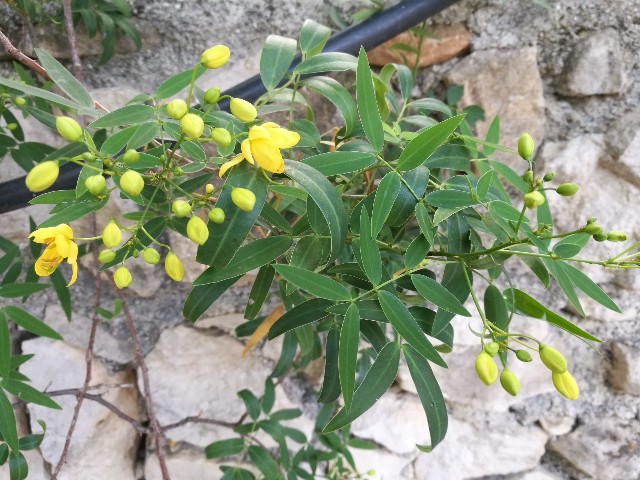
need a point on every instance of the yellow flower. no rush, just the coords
(59, 246)
(263, 146)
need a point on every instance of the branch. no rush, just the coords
(71, 37)
(21, 57)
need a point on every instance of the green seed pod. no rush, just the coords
(88, 157)
(131, 156)
(177, 109)
(593, 229)
(106, 256)
(567, 189)
(95, 184)
(243, 110)
(549, 176)
(486, 368)
(510, 382)
(69, 129)
(180, 208)
(528, 176)
(553, 359)
(131, 183)
(523, 355)
(221, 136)
(600, 237)
(122, 278)
(566, 385)
(42, 176)
(492, 348)
(111, 235)
(215, 57)
(243, 199)
(616, 236)
(192, 126)
(197, 230)
(151, 256)
(216, 215)
(533, 199)
(525, 146)
(212, 95)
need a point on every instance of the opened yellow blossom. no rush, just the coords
(60, 245)
(263, 146)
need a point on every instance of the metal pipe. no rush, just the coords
(372, 32)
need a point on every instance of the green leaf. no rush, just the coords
(264, 461)
(493, 135)
(407, 327)
(224, 240)
(224, 448)
(429, 393)
(251, 255)
(432, 105)
(564, 282)
(566, 250)
(287, 354)
(300, 315)
(337, 163)
(8, 422)
(484, 183)
(31, 323)
(327, 62)
(330, 390)
(405, 204)
(64, 79)
(14, 290)
(367, 106)
(316, 284)
(377, 381)
(275, 59)
(129, 115)
(426, 224)
(531, 307)
(5, 347)
(118, 141)
(589, 287)
(333, 91)
(313, 37)
(509, 175)
(72, 212)
(385, 196)
(29, 394)
(18, 468)
(495, 308)
(416, 251)
(251, 402)
(40, 93)
(274, 218)
(259, 291)
(369, 252)
(201, 298)
(450, 199)
(177, 83)
(438, 295)
(325, 197)
(536, 265)
(348, 353)
(425, 143)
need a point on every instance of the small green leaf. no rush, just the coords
(14, 290)
(29, 394)
(333, 91)
(327, 62)
(348, 353)
(426, 224)
(275, 59)
(451, 199)
(8, 422)
(265, 462)
(300, 315)
(40, 93)
(385, 196)
(313, 37)
(201, 298)
(177, 83)
(224, 448)
(314, 283)
(330, 390)
(367, 106)
(567, 250)
(251, 402)
(64, 79)
(495, 308)
(416, 251)
(18, 468)
(259, 291)
(5, 347)
(369, 252)
(493, 135)
(438, 295)
(337, 163)
(589, 287)
(129, 115)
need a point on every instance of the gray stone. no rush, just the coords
(557, 425)
(605, 448)
(623, 147)
(595, 67)
(379, 464)
(505, 83)
(624, 374)
(540, 474)
(185, 465)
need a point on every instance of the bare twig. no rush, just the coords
(21, 57)
(144, 372)
(71, 37)
(196, 419)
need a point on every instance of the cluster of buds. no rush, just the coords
(597, 232)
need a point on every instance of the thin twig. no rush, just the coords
(21, 57)
(71, 37)
(197, 419)
(144, 372)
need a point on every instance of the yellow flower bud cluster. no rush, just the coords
(487, 370)
(564, 382)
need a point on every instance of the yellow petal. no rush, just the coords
(231, 163)
(283, 138)
(74, 274)
(268, 156)
(65, 230)
(258, 133)
(62, 245)
(263, 329)
(73, 253)
(245, 147)
(41, 235)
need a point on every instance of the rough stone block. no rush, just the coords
(624, 374)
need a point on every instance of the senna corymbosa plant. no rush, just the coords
(375, 234)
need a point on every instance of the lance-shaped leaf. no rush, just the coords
(348, 354)
(336, 163)
(129, 115)
(333, 91)
(438, 295)
(277, 55)
(385, 196)
(330, 390)
(367, 105)
(202, 297)
(369, 252)
(314, 283)
(313, 37)
(327, 62)
(300, 315)
(64, 79)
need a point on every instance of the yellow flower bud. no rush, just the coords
(533, 199)
(510, 382)
(216, 215)
(181, 208)
(486, 368)
(131, 183)
(106, 256)
(122, 278)
(69, 129)
(593, 229)
(111, 235)
(601, 237)
(525, 146)
(177, 109)
(88, 157)
(566, 385)
(492, 348)
(12, 126)
(243, 110)
(243, 199)
(212, 95)
(192, 126)
(523, 355)
(567, 189)
(616, 236)
(197, 230)
(528, 176)
(215, 57)
(221, 136)
(131, 156)
(553, 359)
(42, 176)
(19, 101)
(151, 256)
(208, 189)
(549, 176)
(173, 267)
(95, 184)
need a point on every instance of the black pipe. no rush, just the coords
(372, 32)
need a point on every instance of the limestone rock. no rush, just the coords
(505, 83)
(595, 66)
(604, 448)
(624, 374)
(103, 445)
(186, 251)
(623, 147)
(539, 474)
(184, 465)
(557, 425)
(448, 41)
(386, 465)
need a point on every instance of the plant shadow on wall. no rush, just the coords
(376, 234)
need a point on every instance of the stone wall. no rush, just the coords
(568, 75)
